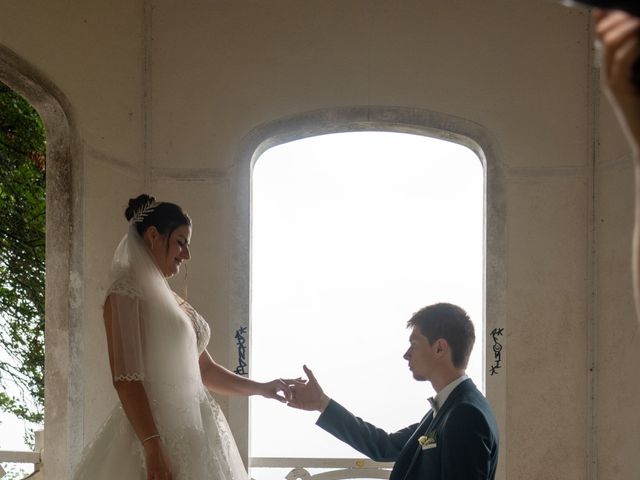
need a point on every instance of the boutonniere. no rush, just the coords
(429, 440)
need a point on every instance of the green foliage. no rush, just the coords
(22, 256)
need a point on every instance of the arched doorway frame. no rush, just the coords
(372, 118)
(63, 300)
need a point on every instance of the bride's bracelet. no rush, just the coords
(155, 435)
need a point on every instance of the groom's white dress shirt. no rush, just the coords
(441, 397)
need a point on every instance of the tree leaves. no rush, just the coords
(22, 256)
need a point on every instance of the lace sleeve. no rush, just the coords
(127, 334)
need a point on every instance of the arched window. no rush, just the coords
(63, 247)
(22, 272)
(351, 234)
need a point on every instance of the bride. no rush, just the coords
(168, 426)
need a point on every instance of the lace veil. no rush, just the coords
(153, 339)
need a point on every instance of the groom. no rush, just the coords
(458, 437)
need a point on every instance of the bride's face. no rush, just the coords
(169, 251)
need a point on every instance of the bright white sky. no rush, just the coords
(352, 233)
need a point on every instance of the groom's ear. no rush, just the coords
(441, 348)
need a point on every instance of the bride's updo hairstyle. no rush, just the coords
(165, 216)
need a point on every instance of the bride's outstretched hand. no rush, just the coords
(279, 389)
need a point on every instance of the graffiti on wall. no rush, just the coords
(241, 343)
(497, 351)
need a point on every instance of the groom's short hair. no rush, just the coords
(450, 322)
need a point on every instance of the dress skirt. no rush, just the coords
(204, 450)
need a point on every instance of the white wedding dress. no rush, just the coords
(160, 346)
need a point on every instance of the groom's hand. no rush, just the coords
(308, 395)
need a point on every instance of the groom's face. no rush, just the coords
(421, 355)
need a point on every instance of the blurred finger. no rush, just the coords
(622, 66)
(623, 31)
(613, 40)
(610, 20)
(627, 55)
(598, 14)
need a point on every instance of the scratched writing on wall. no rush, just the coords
(497, 351)
(241, 343)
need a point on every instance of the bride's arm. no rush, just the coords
(135, 404)
(220, 380)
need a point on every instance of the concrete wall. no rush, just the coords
(165, 95)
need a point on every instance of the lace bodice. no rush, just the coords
(200, 325)
(126, 286)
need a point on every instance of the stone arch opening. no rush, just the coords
(63, 389)
(370, 118)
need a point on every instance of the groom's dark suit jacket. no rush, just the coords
(466, 438)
